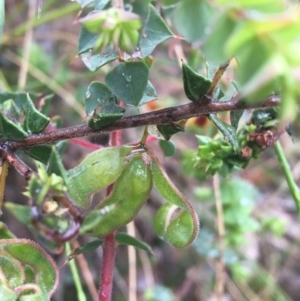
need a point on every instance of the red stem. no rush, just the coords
(107, 272)
(109, 246)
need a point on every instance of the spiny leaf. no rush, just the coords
(128, 81)
(235, 117)
(228, 131)
(10, 130)
(40, 153)
(171, 129)
(55, 164)
(195, 85)
(35, 122)
(149, 94)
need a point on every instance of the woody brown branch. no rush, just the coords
(164, 116)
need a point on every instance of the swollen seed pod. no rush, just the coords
(95, 172)
(130, 192)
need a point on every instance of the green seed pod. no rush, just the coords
(95, 172)
(129, 193)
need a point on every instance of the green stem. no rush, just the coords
(80, 293)
(288, 174)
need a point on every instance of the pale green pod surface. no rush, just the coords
(186, 221)
(130, 192)
(95, 172)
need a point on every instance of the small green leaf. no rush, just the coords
(155, 32)
(190, 12)
(228, 131)
(168, 147)
(169, 130)
(235, 117)
(96, 95)
(87, 40)
(128, 81)
(10, 130)
(90, 246)
(128, 240)
(195, 85)
(55, 164)
(109, 113)
(35, 122)
(2, 16)
(4, 232)
(40, 153)
(95, 172)
(96, 61)
(149, 94)
(21, 212)
(102, 105)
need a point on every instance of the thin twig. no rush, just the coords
(216, 78)
(27, 45)
(220, 270)
(132, 265)
(164, 116)
(87, 275)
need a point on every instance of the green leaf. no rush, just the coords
(228, 131)
(169, 130)
(10, 130)
(40, 153)
(168, 147)
(4, 232)
(90, 246)
(235, 117)
(109, 113)
(128, 81)
(35, 122)
(129, 193)
(30, 253)
(96, 61)
(95, 172)
(86, 41)
(128, 240)
(96, 95)
(55, 165)
(2, 16)
(21, 212)
(195, 85)
(149, 94)
(189, 13)
(155, 32)
(100, 4)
